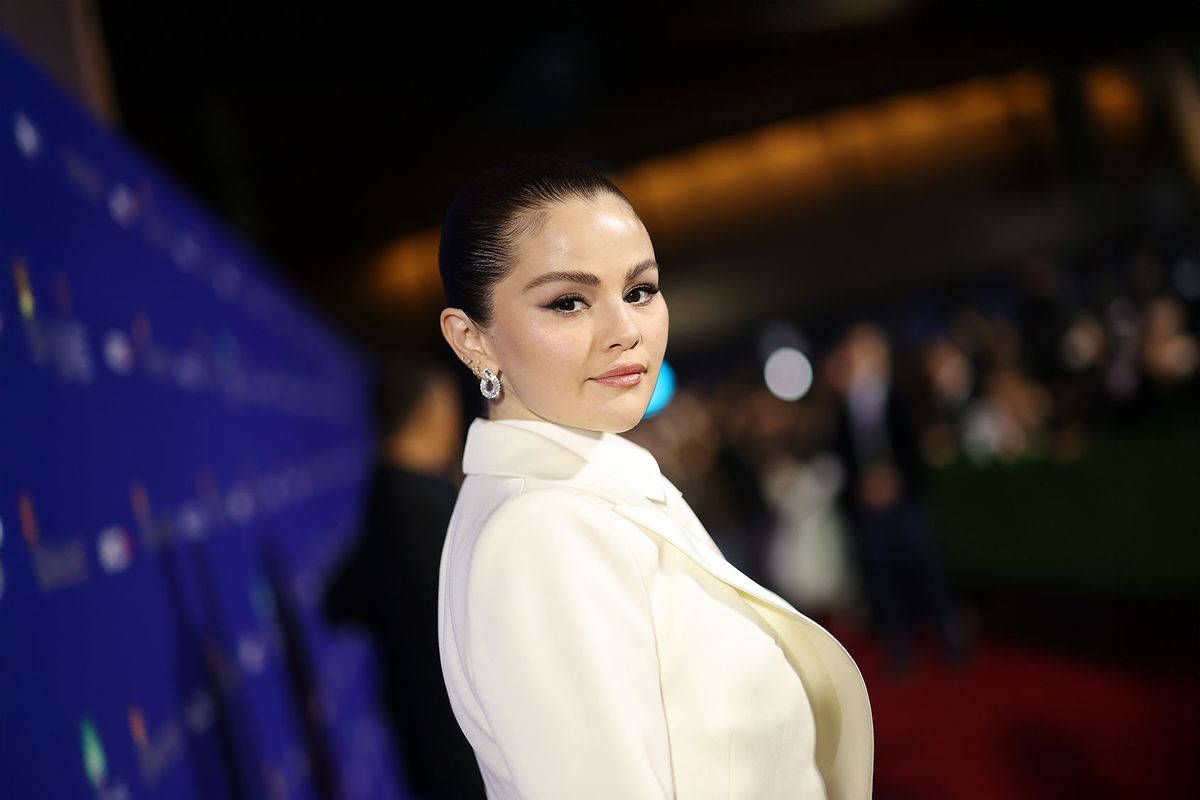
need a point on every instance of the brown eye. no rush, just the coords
(568, 304)
(641, 294)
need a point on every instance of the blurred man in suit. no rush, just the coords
(883, 496)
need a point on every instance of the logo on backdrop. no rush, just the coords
(123, 205)
(115, 548)
(118, 352)
(56, 565)
(25, 299)
(95, 764)
(29, 526)
(29, 141)
(157, 751)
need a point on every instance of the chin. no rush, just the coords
(623, 427)
(611, 415)
(620, 421)
(608, 421)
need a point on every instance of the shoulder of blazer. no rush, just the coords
(562, 528)
(540, 500)
(513, 451)
(546, 452)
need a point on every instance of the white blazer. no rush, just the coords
(596, 644)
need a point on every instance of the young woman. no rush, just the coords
(595, 643)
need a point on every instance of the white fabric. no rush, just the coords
(596, 644)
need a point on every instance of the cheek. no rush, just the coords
(655, 331)
(543, 354)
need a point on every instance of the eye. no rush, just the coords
(640, 295)
(568, 303)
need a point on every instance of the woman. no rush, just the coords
(594, 641)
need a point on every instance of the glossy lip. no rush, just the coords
(620, 370)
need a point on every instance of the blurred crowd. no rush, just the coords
(824, 498)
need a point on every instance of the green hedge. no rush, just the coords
(1123, 517)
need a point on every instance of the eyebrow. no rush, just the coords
(587, 278)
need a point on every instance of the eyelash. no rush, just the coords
(555, 304)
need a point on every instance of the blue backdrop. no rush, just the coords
(182, 451)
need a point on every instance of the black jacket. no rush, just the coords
(390, 585)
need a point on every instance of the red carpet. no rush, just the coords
(1021, 723)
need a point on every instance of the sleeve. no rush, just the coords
(563, 654)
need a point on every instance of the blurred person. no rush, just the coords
(1145, 274)
(807, 555)
(948, 382)
(1056, 344)
(595, 642)
(743, 521)
(683, 439)
(1079, 392)
(1168, 352)
(1006, 421)
(1084, 343)
(884, 501)
(389, 582)
(1043, 319)
(1122, 377)
(1155, 352)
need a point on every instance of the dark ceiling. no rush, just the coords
(322, 132)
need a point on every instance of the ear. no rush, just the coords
(466, 339)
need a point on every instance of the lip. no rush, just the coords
(622, 375)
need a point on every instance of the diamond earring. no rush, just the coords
(489, 385)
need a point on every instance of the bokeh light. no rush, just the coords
(664, 390)
(788, 373)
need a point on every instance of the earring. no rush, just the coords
(489, 385)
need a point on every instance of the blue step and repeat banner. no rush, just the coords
(183, 449)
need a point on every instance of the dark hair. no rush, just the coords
(493, 211)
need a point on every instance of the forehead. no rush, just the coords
(600, 234)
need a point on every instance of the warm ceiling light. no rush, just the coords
(877, 145)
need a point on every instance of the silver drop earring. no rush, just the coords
(489, 385)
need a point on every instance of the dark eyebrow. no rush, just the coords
(586, 278)
(568, 276)
(640, 267)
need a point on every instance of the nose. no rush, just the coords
(623, 332)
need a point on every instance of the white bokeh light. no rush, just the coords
(788, 373)
(114, 549)
(29, 141)
(123, 205)
(118, 352)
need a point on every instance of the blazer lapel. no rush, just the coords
(834, 685)
(605, 465)
(660, 524)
